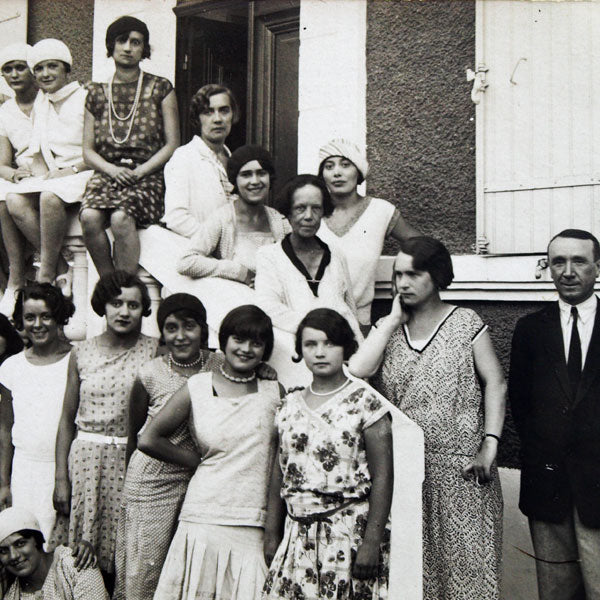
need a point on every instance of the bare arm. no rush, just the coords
(276, 512)
(402, 229)
(489, 370)
(170, 116)
(378, 442)
(6, 446)
(138, 412)
(155, 441)
(366, 360)
(6, 161)
(64, 439)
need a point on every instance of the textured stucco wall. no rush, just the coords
(420, 118)
(70, 21)
(501, 318)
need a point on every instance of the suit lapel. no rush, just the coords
(552, 340)
(592, 359)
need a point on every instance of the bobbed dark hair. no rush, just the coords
(14, 343)
(123, 26)
(579, 234)
(201, 101)
(248, 322)
(333, 325)
(34, 534)
(429, 254)
(109, 286)
(286, 197)
(61, 308)
(186, 313)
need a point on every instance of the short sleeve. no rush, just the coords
(92, 101)
(373, 407)
(7, 369)
(162, 89)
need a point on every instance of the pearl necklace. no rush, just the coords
(310, 387)
(237, 379)
(132, 113)
(194, 363)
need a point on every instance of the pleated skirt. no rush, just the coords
(216, 562)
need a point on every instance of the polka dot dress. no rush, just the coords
(97, 470)
(143, 201)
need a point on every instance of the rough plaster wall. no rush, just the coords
(420, 118)
(501, 318)
(70, 21)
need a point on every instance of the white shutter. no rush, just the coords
(538, 122)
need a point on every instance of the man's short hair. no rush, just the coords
(578, 234)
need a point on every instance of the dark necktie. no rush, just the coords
(574, 360)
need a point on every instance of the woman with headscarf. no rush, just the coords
(38, 205)
(358, 225)
(153, 489)
(131, 130)
(16, 124)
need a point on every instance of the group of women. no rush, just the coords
(186, 473)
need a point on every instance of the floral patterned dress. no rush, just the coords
(437, 387)
(324, 465)
(143, 201)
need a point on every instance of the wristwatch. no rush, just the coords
(75, 169)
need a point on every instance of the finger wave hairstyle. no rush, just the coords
(61, 308)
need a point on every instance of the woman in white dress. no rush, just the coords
(38, 205)
(32, 388)
(217, 549)
(359, 225)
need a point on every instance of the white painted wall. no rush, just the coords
(160, 19)
(13, 29)
(332, 76)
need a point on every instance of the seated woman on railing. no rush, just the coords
(226, 244)
(131, 130)
(195, 176)
(15, 134)
(301, 272)
(37, 204)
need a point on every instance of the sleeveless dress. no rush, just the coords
(437, 387)
(217, 550)
(97, 470)
(144, 201)
(153, 493)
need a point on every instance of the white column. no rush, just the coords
(76, 329)
(332, 76)
(149, 324)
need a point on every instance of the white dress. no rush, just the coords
(217, 549)
(37, 399)
(362, 245)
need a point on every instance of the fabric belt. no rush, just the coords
(322, 516)
(88, 436)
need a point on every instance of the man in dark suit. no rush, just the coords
(554, 390)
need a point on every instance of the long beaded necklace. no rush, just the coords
(129, 117)
(198, 361)
(237, 379)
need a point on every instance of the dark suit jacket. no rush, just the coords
(560, 435)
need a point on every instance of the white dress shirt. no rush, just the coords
(585, 324)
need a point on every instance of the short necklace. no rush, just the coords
(310, 387)
(237, 379)
(132, 113)
(194, 363)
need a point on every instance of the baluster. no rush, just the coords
(149, 325)
(76, 328)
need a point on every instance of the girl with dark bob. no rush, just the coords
(93, 432)
(456, 394)
(36, 573)
(230, 414)
(302, 272)
(131, 129)
(196, 176)
(32, 387)
(154, 490)
(335, 467)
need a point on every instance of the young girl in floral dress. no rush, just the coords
(334, 477)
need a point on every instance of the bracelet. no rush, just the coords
(492, 435)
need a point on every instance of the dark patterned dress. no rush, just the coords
(96, 469)
(324, 465)
(144, 201)
(437, 387)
